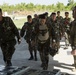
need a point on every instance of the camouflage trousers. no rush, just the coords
(56, 44)
(32, 49)
(8, 49)
(67, 39)
(43, 49)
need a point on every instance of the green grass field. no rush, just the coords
(19, 23)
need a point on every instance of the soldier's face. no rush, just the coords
(54, 17)
(74, 14)
(58, 14)
(66, 15)
(35, 16)
(42, 21)
(30, 20)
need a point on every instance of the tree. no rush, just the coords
(70, 2)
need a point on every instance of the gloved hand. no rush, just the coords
(19, 41)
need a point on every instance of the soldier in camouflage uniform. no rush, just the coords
(43, 33)
(66, 25)
(29, 27)
(57, 29)
(47, 17)
(8, 31)
(35, 19)
(59, 18)
(73, 36)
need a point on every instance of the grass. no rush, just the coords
(19, 22)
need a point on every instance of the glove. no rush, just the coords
(19, 41)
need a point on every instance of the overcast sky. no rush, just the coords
(45, 2)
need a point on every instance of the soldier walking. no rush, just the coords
(66, 26)
(8, 31)
(29, 27)
(43, 33)
(57, 29)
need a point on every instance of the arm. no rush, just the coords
(23, 30)
(14, 29)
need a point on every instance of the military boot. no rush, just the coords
(8, 63)
(31, 58)
(35, 57)
(45, 66)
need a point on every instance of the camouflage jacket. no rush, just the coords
(28, 28)
(56, 26)
(8, 30)
(35, 20)
(59, 19)
(73, 34)
(66, 24)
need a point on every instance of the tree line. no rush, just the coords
(31, 7)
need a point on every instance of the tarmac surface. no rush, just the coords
(63, 60)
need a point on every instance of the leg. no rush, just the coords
(31, 51)
(11, 50)
(3, 47)
(35, 54)
(46, 58)
(66, 41)
(40, 49)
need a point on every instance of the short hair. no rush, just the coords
(53, 13)
(42, 16)
(35, 14)
(0, 10)
(46, 13)
(66, 12)
(29, 16)
(58, 11)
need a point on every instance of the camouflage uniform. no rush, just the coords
(29, 27)
(35, 20)
(58, 30)
(8, 31)
(73, 38)
(59, 18)
(43, 33)
(66, 26)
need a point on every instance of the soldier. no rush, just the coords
(66, 25)
(59, 18)
(43, 32)
(73, 36)
(35, 19)
(8, 31)
(57, 29)
(29, 27)
(46, 16)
